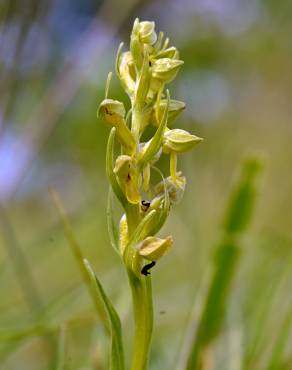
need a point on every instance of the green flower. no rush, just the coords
(153, 248)
(175, 108)
(166, 69)
(147, 34)
(179, 141)
(113, 113)
(128, 177)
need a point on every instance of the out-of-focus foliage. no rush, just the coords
(237, 83)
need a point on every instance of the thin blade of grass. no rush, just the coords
(77, 252)
(225, 262)
(279, 348)
(117, 352)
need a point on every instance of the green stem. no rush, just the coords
(143, 316)
(173, 166)
(143, 307)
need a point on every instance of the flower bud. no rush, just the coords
(128, 177)
(147, 34)
(113, 113)
(179, 141)
(165, 69)
(153, 248)
(175, 108)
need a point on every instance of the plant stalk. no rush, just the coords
(143, 316)
(141, 288)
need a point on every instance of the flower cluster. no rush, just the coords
(144, 72)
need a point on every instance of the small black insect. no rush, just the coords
(145, 205)
(146, 268)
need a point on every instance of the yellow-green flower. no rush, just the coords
(153, 248)
(147, 34)
(165, 69)
(179, 141)
(128, 177)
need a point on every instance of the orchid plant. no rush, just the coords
(144, 72)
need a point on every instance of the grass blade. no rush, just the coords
(117, 353)
(77, 252)
(279, 348)
(227, 254)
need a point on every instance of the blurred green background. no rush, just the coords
(237, 84)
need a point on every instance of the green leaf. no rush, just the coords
(112, 228)
(117, 361)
